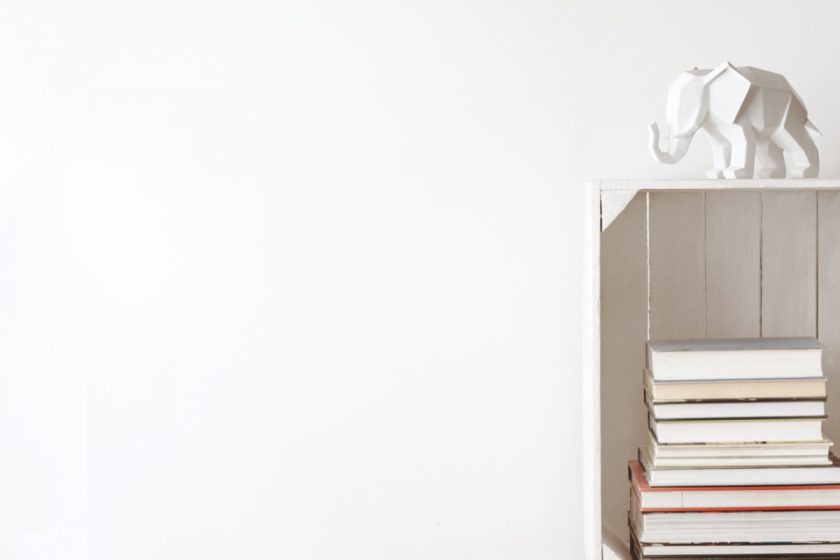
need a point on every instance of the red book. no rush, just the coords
(730, 498)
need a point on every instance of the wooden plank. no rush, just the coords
(623, 335)
(733, 264)
(677, 265)
(601, 408)
(828, 303)
(591, 386)
(789, 264)
(707, 185)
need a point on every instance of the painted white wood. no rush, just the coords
(665, 185)
(596, 542)
(592, 382)
(623, 336)
(613, 203)
(733, 264)
(677, 265)
(614, 548)
(789, 264)
(828, 310)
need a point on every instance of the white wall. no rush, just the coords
(301, 280)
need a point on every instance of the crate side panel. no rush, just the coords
(677, 265)
(789, 264)
(828, 310)
(733, 264)
(623, 334)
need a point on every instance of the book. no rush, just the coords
(758, 527)
(782, 388)
(725, 551)
(744, 358)
(737, 409)
(736, 430)
(743, 461)
(736, 464)
(726, 476)
(813, 449)
(723, 498)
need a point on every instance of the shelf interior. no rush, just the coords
(709, 264)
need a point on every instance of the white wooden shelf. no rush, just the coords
(693, 259)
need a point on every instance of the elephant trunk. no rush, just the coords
(676, 150)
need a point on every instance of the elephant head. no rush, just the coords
(687, 108)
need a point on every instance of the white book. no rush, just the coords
(738, 409)
(813, 449)
(676, 498)
(742, 461)
(739, 476)
(746, 358)
(737, 526)
(736, 430)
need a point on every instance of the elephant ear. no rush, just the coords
(727, 90)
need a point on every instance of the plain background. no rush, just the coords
(302, 280)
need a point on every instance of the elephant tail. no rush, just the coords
(813, 131)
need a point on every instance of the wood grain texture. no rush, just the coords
(623, 336)
(788, 216)
(677, 265)
(828, 303)
(733, 264)
(789, 264)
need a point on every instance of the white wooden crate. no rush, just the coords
(694, 259)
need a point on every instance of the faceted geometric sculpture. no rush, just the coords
(748, 114)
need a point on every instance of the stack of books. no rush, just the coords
(736, 464)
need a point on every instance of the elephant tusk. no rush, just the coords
(655, 150)
(677, 146)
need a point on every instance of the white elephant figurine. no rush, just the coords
(748, 114)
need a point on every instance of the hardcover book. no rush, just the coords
(744, 358)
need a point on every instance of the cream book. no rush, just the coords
(812, 449)
(722, 390)
(739, 476)
(738, 409)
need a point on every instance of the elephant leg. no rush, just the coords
(742, 157)
(721, 152)
(796, 141)
(770, 158)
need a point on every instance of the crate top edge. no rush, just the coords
(712, 184)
